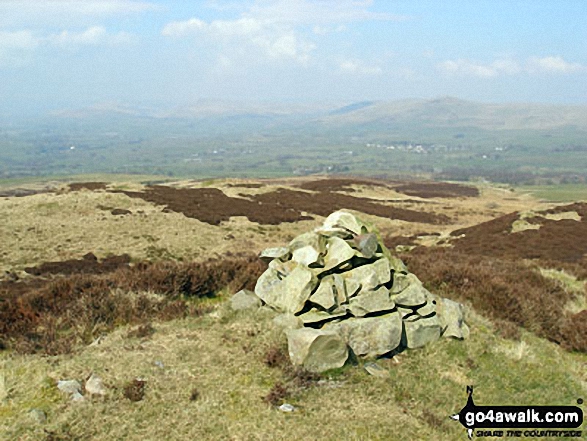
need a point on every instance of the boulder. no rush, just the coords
(415, 295)
(287, 294)
(315, 316)
(268, 254)
(244, 299)
(451, 317)
(307, 256)
(372, 336)
(69, 387)
(287, 321)
(343, 221)
(371, 301)
(420, 332)
(367, 244)
(316, 350)
(95, 386)
(371, 275)
(338, 252)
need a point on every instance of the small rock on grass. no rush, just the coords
(38, 416)
(287, 408)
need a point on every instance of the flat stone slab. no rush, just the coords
(421, 332)
(268, 254)
(316, 350)
(371, 301)
(314, 316)
(338, 252)
(342, 220)
(371, 275)
(371, 336)
(415, 295)
(367, 244)
(287, 294)
(245, 299)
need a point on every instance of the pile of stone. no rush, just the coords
(339, 288)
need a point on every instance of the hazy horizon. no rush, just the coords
(66, 54)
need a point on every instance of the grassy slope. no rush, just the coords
(222, 355)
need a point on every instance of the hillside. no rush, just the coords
(130, 281)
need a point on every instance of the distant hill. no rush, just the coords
(452, 112)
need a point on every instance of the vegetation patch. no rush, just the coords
(212, 206)
(53, 316)
(88, 264)
(437, 190)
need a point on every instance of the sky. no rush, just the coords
(74, 53)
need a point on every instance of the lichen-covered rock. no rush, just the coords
(371, 301)
(244, 299)
(451, 317)
(372, 336)
(338, 252)
(316, 350)
(421, 331)
(287, 294)
(268, 254)
(339, 287)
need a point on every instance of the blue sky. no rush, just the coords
(73, 53)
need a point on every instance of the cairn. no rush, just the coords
(339, 289)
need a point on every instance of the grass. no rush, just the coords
(221, 375)
(557, 193)
(223, 356)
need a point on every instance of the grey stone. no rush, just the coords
(325, 295)
(38, 416)
(95, 386)
(69, 386)
(367, 244)
(283, 269)
(244, 299)
(311, 239)
(414, 295)
(268, 254)
(428, 309)
(376, 370)
(452, 319)
(371, 301)
(345, 221)
(77, 397)
(288, 321)
(402, 281)
(314, 316)
(370, 276)
(421, 332)
(287, 408)
(338, 252)
(372, 336)
(288, 294)
(307, 256)
(316, 350)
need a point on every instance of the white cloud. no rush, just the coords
(466, 67)
(15, 47)
(275, 41)
(553, 65)
(532, 65)
(359, 67)
(281, 29)
(93, 36)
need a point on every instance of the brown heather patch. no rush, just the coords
(507, 291)
(88, 264)
(574, 332)
(211, 205)
(561, 243)
(437, 190)
(53, 316)
(92, 186)
(341, 184)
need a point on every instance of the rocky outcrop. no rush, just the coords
(340, 288)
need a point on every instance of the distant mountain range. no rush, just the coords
(445, 112)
